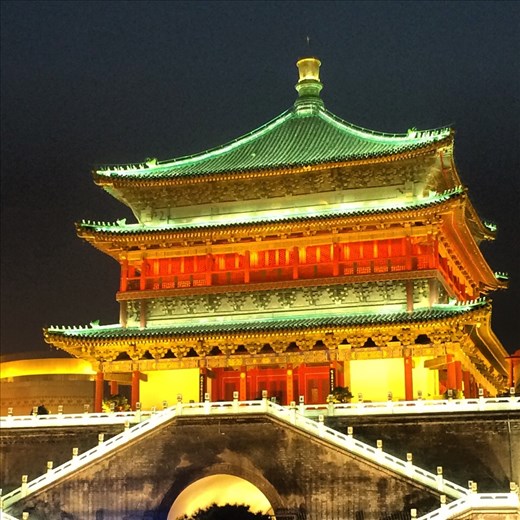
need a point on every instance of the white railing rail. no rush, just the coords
(416, 407)
(376, 455)
(99, 451)
(503, 502)
(5, 516)
(289, 415)
(73, 419)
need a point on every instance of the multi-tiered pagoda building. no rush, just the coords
(305, 255)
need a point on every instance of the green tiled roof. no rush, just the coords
(111, 332)
(121, 228)
(302, 136)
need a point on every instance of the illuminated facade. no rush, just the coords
(305, 255)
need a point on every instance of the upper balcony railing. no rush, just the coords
(221, 277)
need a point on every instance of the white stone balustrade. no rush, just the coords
(290, 415)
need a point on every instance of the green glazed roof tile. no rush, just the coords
(295, 138)
(279, 324)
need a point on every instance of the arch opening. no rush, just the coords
(220, 489)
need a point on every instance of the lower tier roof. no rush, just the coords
(204, 328)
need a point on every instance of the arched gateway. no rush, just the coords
(219, 489)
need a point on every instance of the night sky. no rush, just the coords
(88, 83)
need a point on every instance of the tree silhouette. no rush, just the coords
(226, 512)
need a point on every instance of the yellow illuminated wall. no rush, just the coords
(34, 367)
(164, 385)
(425, 379)
(374, 378)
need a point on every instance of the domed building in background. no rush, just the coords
(54, 380)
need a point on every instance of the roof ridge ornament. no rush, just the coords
(309, 85)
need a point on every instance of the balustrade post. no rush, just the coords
(481, 403)
(301, 401)
(321, 425)
(235, 402)
(50, 464)
(75, 453)
(101, 438)
(409, 462)
(292, 412)
(207, 404)
(23, 491)
(330, 405)
(440, 479)
(265, 400)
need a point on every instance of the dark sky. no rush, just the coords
(87, 83)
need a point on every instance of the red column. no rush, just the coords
(302, 381)
(247, 266)
(458, 375)
(142, 281)
(467, 383)
(124, 276)
(98, 395)
(135, 389)
(408, 376)
(209, 268)
(408, 253)
(242, 394)
(114, 388)
(295, 262)
(452, 378)
(335, 259)
(290, 386)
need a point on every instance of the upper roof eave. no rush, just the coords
(290, 142)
